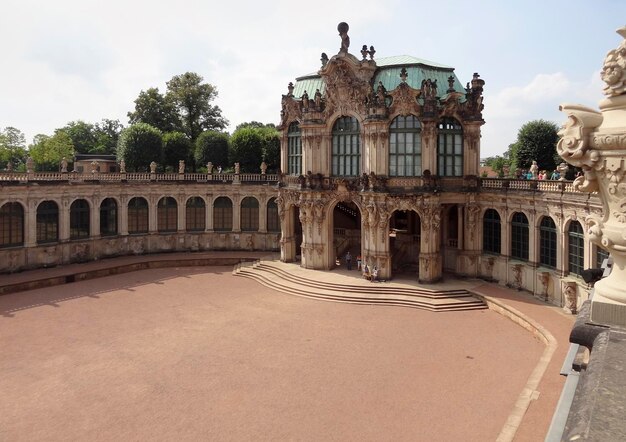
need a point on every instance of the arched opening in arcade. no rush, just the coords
(346, 231)
(452, 235)
(404, 242)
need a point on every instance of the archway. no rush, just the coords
(297, 232)
(346, 231)
(452, 236)
(404, 242)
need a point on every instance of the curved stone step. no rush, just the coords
(282, 280)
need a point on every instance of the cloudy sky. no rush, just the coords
(68, 60)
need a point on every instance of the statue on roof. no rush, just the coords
(345, 39)
(318, 100)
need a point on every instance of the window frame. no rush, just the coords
(449, 137)
(492, 232)
(401, 129)
(11, 225)
(346, 147)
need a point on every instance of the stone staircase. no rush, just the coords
(290, 279)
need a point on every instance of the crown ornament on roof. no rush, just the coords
(614, 69)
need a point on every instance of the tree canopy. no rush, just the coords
(192, 99)
(246, 148)
(48, 152)
(212, 146)
(12, 147)
(536, 141)
(139, 145)
(176, 147)
(93, 138)
(153, 108)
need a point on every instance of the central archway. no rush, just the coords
(346, 231)
(404, 242)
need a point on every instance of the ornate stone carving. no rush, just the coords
(472, 216)
(404, 100)
(596, 142)
(518, 270)
(614, 69)
(570, 290)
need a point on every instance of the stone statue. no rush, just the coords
(122, 166)
(562, 168)
(263, 168)
(63, 165)
(181, 166)
(318, 100)
(534, 170)
(9, 166)
(343, 29)
(237, 168)
(30, 165)
(380, 94)
(305, 101)
(324, 59)
(153, 167)
(209, 168)
(94, 166)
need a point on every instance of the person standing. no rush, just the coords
(349, 260)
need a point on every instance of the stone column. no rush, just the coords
(30, 223)
(94, 218)
(182, 213)
(287, 227)
(430, 261)
(236, 213)
(64, 219)
(263, 215)
(429, 146)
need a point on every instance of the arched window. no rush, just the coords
(547, 242)
(223, 214)
(450, 148)
(346, 157)
(294, 149)
(47, 222)
(601, 255)
(79, 219)
(519, 236)
(11, 225)
(108, 217)
(576, 248)
(137, 215)
(273, 220)
(167, 215)
(249, 214)
(195, 216)
(491, 231)
(405, 147)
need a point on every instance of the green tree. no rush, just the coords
(153, 108)
(536, 141)
(82, 135)
(176, 147)
(192, 99)
(139, 145)
(212, 146)
(498, 164)
(271, 147)
(12, 147)
(246, 148)
(107, 135)
(48, 152)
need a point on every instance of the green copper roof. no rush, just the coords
(388, 72)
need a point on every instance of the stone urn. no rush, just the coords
(596, 142)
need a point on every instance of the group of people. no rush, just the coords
(369, 274)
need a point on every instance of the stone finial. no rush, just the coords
(122, 166)
(209, 168)
(237, 168)
(153, 167)
(477, 83)
(324, 59)
(614, 69)
(290, 89)
(30, 165)
(364, 52)
(343, 29)
(181, 166)
(263, 168)
(403, 75)
(372, 51)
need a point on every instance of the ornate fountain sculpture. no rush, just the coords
(596, 142)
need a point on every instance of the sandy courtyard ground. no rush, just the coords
(198, 354)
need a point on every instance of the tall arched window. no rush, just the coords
(346, 157)
(273, 220)
(491, 231)
(108, 217)
(294, 149)
(547, 242)
(167, 215)
(79, 219)
(137, 215)
(195, 215)
(405, 146)
(223, 214)
(249, 214)
(47, 222)
(11, 225)
(450, 148)
(519, 236)
(576, 248)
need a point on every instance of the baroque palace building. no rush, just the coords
(380, 157)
